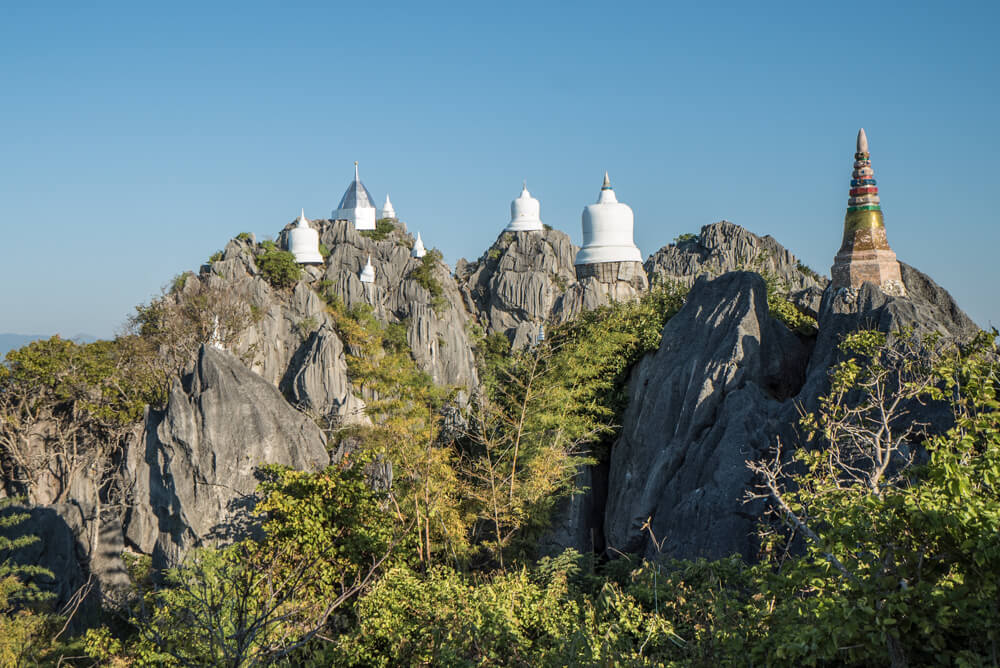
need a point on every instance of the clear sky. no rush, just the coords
(135, 139)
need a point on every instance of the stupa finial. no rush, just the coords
(862, 141)
(356, 177)
(607, 182)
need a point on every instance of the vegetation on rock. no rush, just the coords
(278, 266)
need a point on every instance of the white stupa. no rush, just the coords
(387, 210)
(357, 205)
(418, 247)
(524, 213)
(303, 242)
(607, 230)
(367, 274)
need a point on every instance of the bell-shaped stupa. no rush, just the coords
(607, 236)
(865, 254)
(418, 247)
(367, 274)
(387, 210)
(524, 213)
(303, 242)
(356, 205)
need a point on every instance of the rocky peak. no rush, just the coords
(519, 282)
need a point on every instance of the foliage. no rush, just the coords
(424, 276)
(278, 267)
(179, 281)
(333, 519)
(383, 228)
(518, 618)
(808, 271)
(215, 257)
(65, 409)
(324, 250)
(543, 409)
(902, 559)
(687, 237)
(404, 405)
(25, 626)
(245, 236)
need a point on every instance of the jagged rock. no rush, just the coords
(436, 325)
(701, 405)
(519, 282)
(193, 473)
(716, 394)
(722, 247)
(320, 384)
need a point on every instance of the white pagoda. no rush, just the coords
(357, 205)
(303, 242)
(524, 213)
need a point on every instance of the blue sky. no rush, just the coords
(136, 140)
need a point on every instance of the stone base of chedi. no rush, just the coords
(865, 255)
(615, 272)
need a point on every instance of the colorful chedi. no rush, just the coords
(865, 254)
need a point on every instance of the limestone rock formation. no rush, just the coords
(519, 282)
(722, 247)
(193, 472)
(436, 323)
(723, 386)
(704, 403)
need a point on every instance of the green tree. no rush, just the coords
(278, 266)
(902, 558)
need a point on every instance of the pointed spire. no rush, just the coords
(524, 185)
(302, 221)
(356, 177)
(607, 182)
(862, 141)
(368, 273)
(418, 250)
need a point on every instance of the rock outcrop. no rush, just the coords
(723, 247)
(436, 323)
(725, 383)
(708, 400)
(193, 472)
(519, 283)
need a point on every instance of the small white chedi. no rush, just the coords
(387, 210)
(524, 213)
(356, 205)
(303, 242)
(367, 274)
(418, 247)
(607, 230)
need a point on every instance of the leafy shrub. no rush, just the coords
(808, 271)
(215, 257)
(245, 236)
(685, 238)
(383, 228)
(324, 251)
(278, 267)
(424, 276)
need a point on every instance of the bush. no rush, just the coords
(424, 275)
(383, 228)
(215, 257)
(685, 238)
(278, 267)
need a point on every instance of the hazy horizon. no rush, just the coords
(141, 139)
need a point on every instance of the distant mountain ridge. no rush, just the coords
(9, 341)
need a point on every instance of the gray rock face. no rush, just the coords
(722, 247)
(436, 326)
(519, 282)
(320, 384)
(717, 393)
(702, 405)
(193, 473)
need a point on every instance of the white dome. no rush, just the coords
(356, 205)
(387, 210)
(524, 213)
(418, 247)
(368, 273)
(607, 230)
(303, 242)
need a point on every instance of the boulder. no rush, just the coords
(193, 473)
